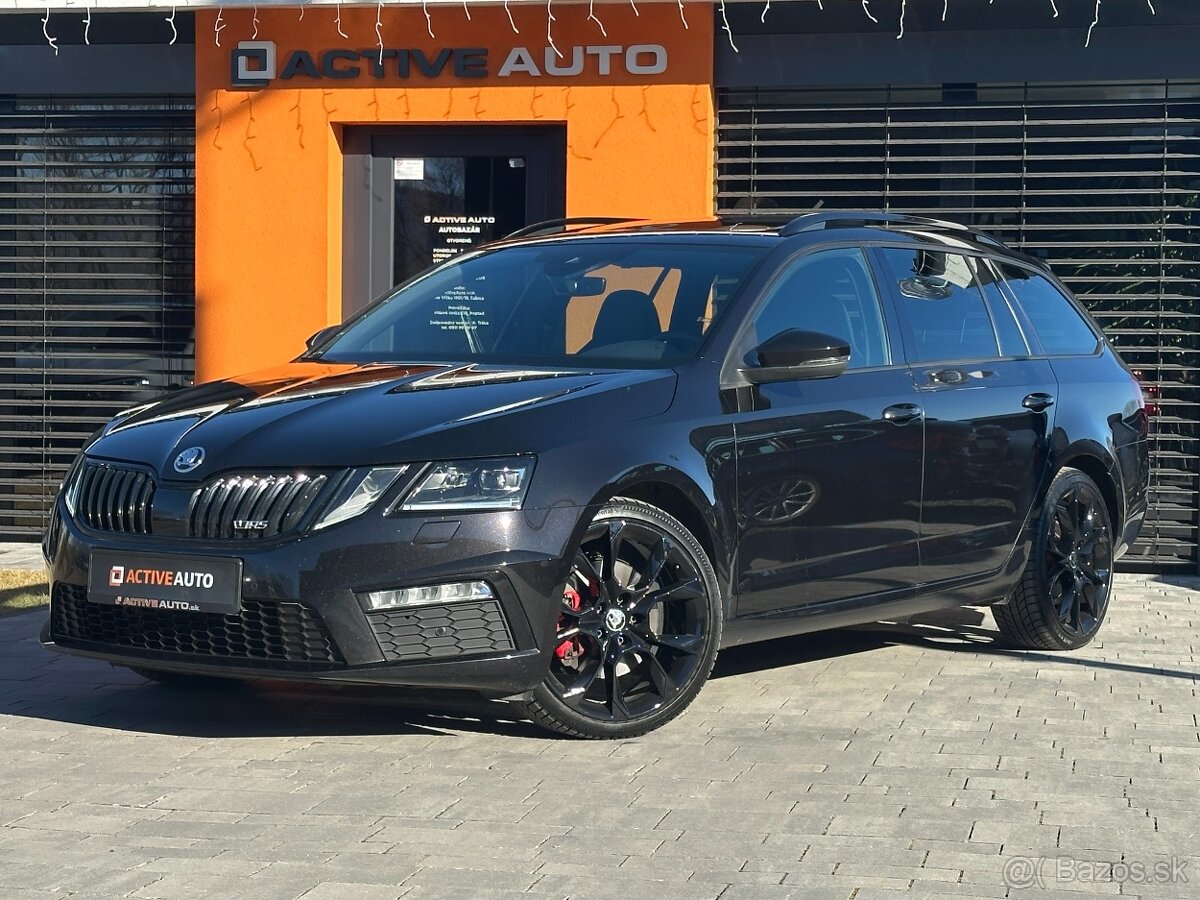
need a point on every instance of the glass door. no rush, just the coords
(444, 205)
(415, 196)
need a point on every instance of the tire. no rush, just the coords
(639, 628)
(1066, 589)
(186, 682)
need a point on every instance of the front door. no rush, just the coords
(828, 470)
(417, 196)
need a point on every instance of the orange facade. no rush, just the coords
(269, 173)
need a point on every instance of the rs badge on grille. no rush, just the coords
(250, 525)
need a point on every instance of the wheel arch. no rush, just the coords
(678, 495)
(1094, 467)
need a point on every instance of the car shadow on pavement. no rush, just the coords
(37, 684)
(956, 629)
(45, 685)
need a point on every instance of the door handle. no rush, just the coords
(902, 413)
(1038, 401)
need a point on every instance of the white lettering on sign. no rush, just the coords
(519, 60)
(656, 65)
(638, 59)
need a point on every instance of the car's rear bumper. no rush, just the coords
(302, 616)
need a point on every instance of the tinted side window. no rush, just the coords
(1012, 341)
(941, 298)
(832, 292)
(1058, 324)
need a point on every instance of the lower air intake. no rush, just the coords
(278, 634)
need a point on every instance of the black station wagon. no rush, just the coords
(566, 468)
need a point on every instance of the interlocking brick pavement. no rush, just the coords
(908, 760)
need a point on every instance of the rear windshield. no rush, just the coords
(605, 301)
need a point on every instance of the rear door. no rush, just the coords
(988, 405)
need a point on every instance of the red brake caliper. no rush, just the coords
(572, 648)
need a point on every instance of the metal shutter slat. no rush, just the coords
(97, 219)
(1101, 180)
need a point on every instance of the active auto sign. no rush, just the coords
(167, 582)
(258, 63)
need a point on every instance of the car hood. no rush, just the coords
(315, 414)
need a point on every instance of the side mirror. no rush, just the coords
(794, 354)
(319, 337)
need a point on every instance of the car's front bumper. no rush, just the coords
(302, 617)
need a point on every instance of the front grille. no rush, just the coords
(433, 632)
(278, 634)
(252, 507)
(115, 498)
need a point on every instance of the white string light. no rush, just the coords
(1091, 28)
(550, 20)
(338, 20)
(725, 26)
(592, 17)
(1153, 11)
(220, 24)
(379, 28)
(52, 41)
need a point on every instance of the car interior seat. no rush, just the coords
(625, 315)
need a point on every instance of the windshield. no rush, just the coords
(573, 303)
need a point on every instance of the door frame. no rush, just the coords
(367, 187)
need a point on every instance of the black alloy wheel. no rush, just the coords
(638, 629)
(1065, 592)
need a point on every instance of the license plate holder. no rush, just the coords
(166, 581)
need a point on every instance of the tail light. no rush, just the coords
(1149, 392)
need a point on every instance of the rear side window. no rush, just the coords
(1012, 342)
(946, 316)
(1058, 324)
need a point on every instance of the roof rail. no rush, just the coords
(552, 226)
(840, 218)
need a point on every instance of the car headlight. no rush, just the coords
(472, 484)
(359, 494)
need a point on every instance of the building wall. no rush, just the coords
(269, 161)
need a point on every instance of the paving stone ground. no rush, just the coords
(21, 556)
(896, 761)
